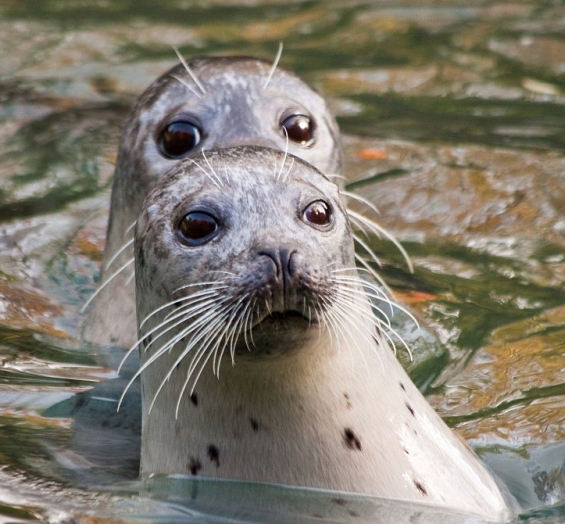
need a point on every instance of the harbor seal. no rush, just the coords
(261, 356)
(210, 102)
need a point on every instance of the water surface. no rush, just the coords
(453, 121)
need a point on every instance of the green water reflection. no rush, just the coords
(454, 117)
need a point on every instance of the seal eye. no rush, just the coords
(318, 213)
(179, 138)
(300, 128)
(197, 227)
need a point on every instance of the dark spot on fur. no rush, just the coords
(254, 424)
(351, 439)
(194, 465)
(402, 387)
(177, 304)
(352, 513)
(348, 403)
(421, 488)
(338, 501)
(214, 454)
(406, 451)
(149, 339)
(194, 399)
(410, 409)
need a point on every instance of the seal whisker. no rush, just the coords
(196, 300)
(197, 309)
(238, 328)
(187, 85)
(118, 253)
(195, 360)
(189, 71)
(342, 308)
(289, 170)
(211, 168)
(192, 296)
(247, 325)
(274, 66)
(106, 282)
(381, 231)
(163, 349)
(372, 272)
(351, 295)
(205, 330)
(378, 293)
(278, 175)
(344, 326)
(234, 310)
(361, 199)
(231, 339)
(378, 323)
(206, 312)
(371, 253)
(204, 283)
(130, 278)
(129, 228)
(217, 323)
(216, 183)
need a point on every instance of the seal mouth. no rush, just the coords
(285, 320)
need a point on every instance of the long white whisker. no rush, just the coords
(274, 66)
(105, 283)
(201, 293)
(288, 170)
(161, 351)
(361, 199)
(189, 71)
(219, 186)
(187, 85)
(379, 230)
(372, 272)
(207, 328)
(278, 176)
(118, 253)
(200, 307)
(378, 294)
(366, 248)
(212, 169)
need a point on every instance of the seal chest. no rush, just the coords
(261, 357)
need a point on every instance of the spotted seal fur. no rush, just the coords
(261, 358)
(209, 102)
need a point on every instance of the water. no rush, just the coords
(453, 122)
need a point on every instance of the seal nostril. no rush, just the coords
(274, 255)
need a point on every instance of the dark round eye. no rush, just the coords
(197, 228)
(318, 213)
(179, 138)
(300, 128)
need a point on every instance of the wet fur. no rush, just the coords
(241, 102)
(337, 411)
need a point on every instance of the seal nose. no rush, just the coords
(283, 278)
(282, 258)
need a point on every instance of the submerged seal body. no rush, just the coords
(211, 102)
(261, 359)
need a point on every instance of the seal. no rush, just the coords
(210, 102)
(261, 356)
